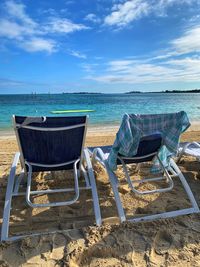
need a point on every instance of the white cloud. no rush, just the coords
(15, 23)
(176, 66)
(77, 54)
(39, 44)
(137, 71)
(93, 18)
(17, 10)
(179, 62)
(119, 65)
(122, 14)
(11, 29)
(189, 42)
(62, 25)
(134, 72)
(89, 67)
(28, 34)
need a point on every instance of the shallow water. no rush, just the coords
(108, 108)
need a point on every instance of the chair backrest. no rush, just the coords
(50, 141)
(147, 148)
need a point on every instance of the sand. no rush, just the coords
(170, 242)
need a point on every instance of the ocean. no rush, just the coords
(108, 108)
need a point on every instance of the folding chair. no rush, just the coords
(49, 144)
(148, 149)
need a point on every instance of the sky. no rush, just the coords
(108, 46)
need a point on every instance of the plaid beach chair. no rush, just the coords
(146, 138)
(49, 144)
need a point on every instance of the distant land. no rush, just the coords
(84, 93)
(183, 91)
(134, 92)
(167, 91)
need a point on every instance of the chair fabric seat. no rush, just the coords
(52, 147)
(148, 145)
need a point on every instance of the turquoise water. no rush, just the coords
(109, 108)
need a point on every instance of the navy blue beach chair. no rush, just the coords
(49, 144)
(148, 150)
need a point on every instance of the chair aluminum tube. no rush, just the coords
(182, 151)
(102, 160)
(174, 174)
(195, 143)
(18, 181)
(171, 184)
(83, 143)
(98, 153)
(169, 179)
(93, 188)
(8, 198)
(165, 215)
(50, 165)
(87, 182)
(142, 157)
(185, 185)
(53, 204)
(43, 129)
(149, 180)
(50, 191)
(95, 157)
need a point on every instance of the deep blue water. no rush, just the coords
(109, 108)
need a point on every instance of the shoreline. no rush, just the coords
(99, 130)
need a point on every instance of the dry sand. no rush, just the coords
(170, 242)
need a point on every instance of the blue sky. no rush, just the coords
(99, 46)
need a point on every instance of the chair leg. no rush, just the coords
(8, 199)
(114, 185)
(175, 172)
(52, 204)
(185, 185)
(100, 157)
(171, 214)
(93, 188)
(168, 179)
(87, 182)
(18, 181)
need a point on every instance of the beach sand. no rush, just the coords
(170, 242)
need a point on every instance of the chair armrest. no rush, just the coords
(181, 151)
(195, 143)
(14, 164)
(99, 156)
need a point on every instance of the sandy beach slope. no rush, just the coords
(171, 242)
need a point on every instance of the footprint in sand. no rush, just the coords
(162, 242)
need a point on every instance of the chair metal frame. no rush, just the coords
(171, 172)
(182, 151)
(14, 181)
